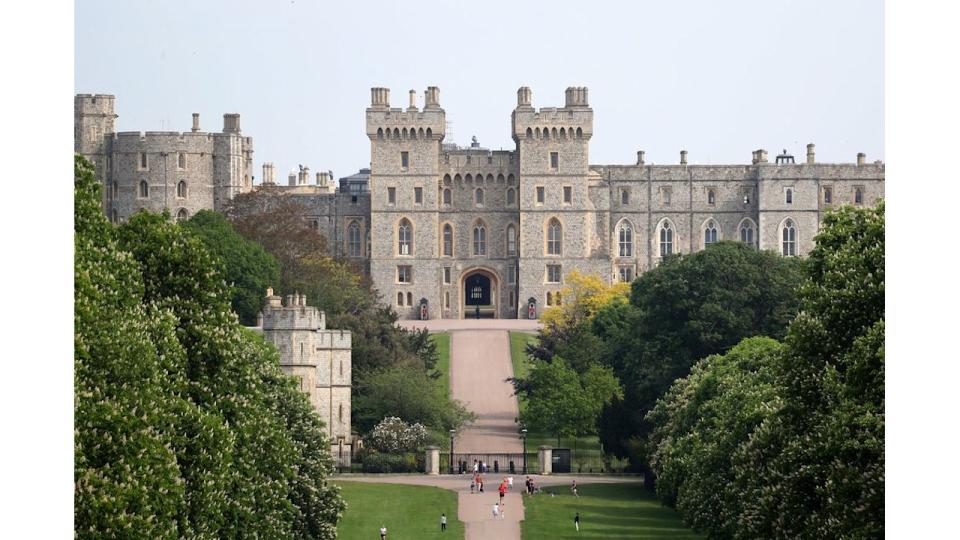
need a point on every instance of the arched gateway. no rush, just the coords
(480, 289)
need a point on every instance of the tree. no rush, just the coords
(248, 268)
(186, 427)
(816, 469)
(562, 403)
(701, 422)
(408, 392)
(687, 308)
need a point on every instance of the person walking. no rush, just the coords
(510, 483)
(443, 522)
(576, 521)
(573, 488)
(496, 511)
(473, 484)
(503, 491)
(383, 533)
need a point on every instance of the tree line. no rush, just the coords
(749, 387)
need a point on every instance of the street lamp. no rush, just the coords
(523, 435)
(452, 432)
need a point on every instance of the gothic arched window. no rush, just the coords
(746, 232)
(479, 239)
(554, 237)
(709, 233)
(789, 248)
(447, 197)
(447, 240)
(144, 189)
(182, 214)
(858, 196)
(511, 196)
(405, 237)
(711, 197)
(182, 189)
(511, 240)
(478, 195)
(666, 239)
(626, 239)
(789, 196)
(353, 239)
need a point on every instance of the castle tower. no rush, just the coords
(557, 224)
(318, 357)
(93, 123)
(405, 149)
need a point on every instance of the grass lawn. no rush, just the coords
(521, 364)
(408, 512)
(606, 511)
(442, 341)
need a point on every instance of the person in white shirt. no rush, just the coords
(383, 533)
(496, 511)
(443, 522)
(510, 482)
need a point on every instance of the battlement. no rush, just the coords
(94, 104)
(386, 123)
(574, 121)
(294, 314)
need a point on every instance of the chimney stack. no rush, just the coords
(683, 157)
(413, 100)
(524, 96)
(231, 123)
(196, 122)
(379, 98)
(268, 178)
(861, 159)
(759, 156)
(640, 154)
(810, 155)
(431, 98)
(292, 178)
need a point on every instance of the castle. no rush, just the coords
(319, 358)
(451, 232)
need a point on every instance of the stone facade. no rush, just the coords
(511, 224)
(319, 358)
(157, 170)
(460, 230)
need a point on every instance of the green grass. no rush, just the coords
(408, 512)
(442, 341)
(606, 511)
(518, 357)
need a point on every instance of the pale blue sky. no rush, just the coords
(718, 79)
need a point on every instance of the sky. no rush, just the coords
(719, 79)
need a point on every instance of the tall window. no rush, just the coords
(182, 160)
(418, 195)
(626, 274)
(710, 233)
(446, 275)
(511, 196)
(447, 240)
(144, 189)
(181, 190)
(399, 294)
(143, 161)
(405, 237)
(404, 274)
(409, 298)
(626, 239)
(789, 196)
(479, 239)
(711, 197)
(665, 193)
(446, 197)
(540, 195)
(114, 191)
(746, 232)
(404, 159)
(511, 240)
(624, 196)
(553, 273)
(827, 195)
(391, 195)
(789, 239)
(554, 160)
(353, 239)
(554, 237)
(478, 196)
(567, 194)
(858, 196)
(666, 239)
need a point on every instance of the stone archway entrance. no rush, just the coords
(479, 292)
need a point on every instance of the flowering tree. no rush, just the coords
(394, 436)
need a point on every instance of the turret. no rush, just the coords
(553, 140)
(93, 119)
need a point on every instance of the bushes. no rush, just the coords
(379, 462)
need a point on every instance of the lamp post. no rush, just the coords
(452, 432)
(523, 436)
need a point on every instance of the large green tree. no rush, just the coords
(247, 267)
(816, 470)
(406, 391)
(687, 308)
(208, 438)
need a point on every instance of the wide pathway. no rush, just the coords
(479, 368)
(445, 325)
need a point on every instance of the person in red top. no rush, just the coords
(503, 491)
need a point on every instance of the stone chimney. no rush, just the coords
(524, 96)
(861, 159)
(231, 123)
(683, 157)
(759, 156)
(413, 100)
(292, 178)
(272, 299)
(379, 98)
(196, 122)
(576, 96)
(810, 154)
(431, 98)
(640, 154)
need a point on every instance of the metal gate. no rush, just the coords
(561, 460)
(495, 463)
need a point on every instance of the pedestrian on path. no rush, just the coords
(503, 491)
(503, 512)
(576, 521)
(496, 511)
(573, 488)
(443, 522)
(383, 533)
(510, 483)
(473, 485)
